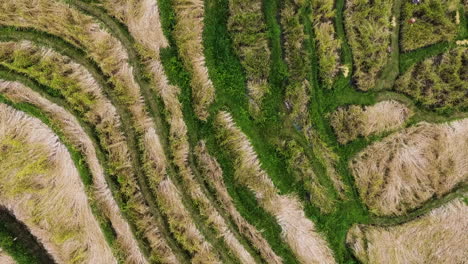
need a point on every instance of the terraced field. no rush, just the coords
(233, 131)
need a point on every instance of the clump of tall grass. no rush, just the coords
(80, 140)
(142, 18)
(353, 121)
(297, 59)
(435, 22)
(327, 157)
(188, 32)
(42, 188)
(328, 46)
(410, 167)
(297, 230)
(248, 29)
(437, 237)
(213, 176)
(368, 28)
(440, 82)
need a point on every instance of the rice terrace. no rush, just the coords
(234, 131)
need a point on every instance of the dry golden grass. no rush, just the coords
(180, 221)
(354, 121)
(6, 259)
(297, 230)
(406, 169)
(179, 218)
(462, 42)
(142, 18)
(213, 175)
(41, 186)
(109, 53)
(103, 115)
(188, 33)
(437, 237)
(80, 140)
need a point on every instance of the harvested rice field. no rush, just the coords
(233, 131)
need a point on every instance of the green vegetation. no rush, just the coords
(368, 28)
(297, 58)
(439, 83)
(250, 39)
(436, 21)
(327, 45)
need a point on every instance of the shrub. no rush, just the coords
(248, 29)
(298, 89)
(188, 35)
(300, 166)
(298, 92)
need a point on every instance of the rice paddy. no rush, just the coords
(354, 121)
(233, 131)
(437, 237)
